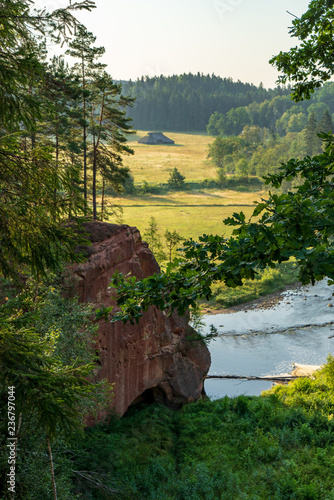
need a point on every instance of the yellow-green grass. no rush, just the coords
(154, 164)
(191, 213)
(204, 197)
(266, 282)
(188, 221)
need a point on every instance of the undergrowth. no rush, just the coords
(279, 446)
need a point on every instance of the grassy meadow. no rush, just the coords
(153, 164)
(190, 212)
(193, 212)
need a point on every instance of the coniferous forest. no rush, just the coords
(186, 102)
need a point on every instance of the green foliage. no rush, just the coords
(256, 153)
(176, 180)
(263, 123)
(50, 368)
(32, 233)
(20, 65)
(104, 120)
(222, 150)
(265, 282)
(152, 236)
(47, 352)
(33, 481)
(309, 64)
(186, 102)
(276, 446)
(312, 141)
(32, 212)
(231, 123)
(173, 238)
(264, 115)
(314, 395)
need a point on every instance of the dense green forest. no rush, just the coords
(255, 140)
(59, 128)
(186, 102)
(280, 114)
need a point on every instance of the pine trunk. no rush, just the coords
(84, 135)
(102, 201)
(94, 181)
(52, 470)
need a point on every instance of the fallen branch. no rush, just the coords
(286, 378)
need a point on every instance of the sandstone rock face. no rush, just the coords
(151, 360)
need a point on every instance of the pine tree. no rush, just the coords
(108, 125)
(325, 125)
(81, 47)
(176, 180)
(312, 143)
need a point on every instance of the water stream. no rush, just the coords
(268, 341)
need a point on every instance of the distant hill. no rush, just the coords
(186, 102)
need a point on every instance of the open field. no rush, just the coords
(187, 221)
(203, 197)
(191, 213)
(153, 164)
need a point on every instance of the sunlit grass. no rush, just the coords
(187, 221)
(190, 212)
(199, 197)
(154, 164)
(266, 282)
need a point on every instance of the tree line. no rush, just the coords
(279, 114)
(186, 102)
(257, 151)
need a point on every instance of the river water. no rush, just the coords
(268, 341)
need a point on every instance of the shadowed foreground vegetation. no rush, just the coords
(277, 446)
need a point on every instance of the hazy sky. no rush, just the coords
(231, 38)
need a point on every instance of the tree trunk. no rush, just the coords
(102, 201)
(84, 135)
(52, 470)
(94, 180)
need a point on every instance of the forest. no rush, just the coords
(186, 102)
(256, 139)
(64, 147)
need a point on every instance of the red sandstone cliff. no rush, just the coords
(151, 360)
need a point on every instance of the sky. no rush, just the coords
(230, 38)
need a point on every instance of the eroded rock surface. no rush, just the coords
(151, 360)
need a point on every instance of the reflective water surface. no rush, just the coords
(268, 342)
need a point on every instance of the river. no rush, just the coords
(263, 342)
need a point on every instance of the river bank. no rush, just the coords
(263, 302)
